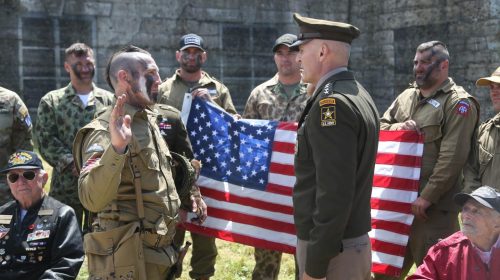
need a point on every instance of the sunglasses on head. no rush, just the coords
(28, 175)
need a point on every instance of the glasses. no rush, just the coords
(28, 175)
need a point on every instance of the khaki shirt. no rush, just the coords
(172, 91)
(61, 114)
(483, 166)
(447, 119)
(15, 132)
(106, 184)
(334, 162)
(269, 101)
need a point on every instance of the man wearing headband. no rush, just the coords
(474, 252)
(39, 236)
(446, 115)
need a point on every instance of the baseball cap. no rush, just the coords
(485, 195)
(486, 81)
(312, 28)
(23, 160)
(285, 39)
(191, 41)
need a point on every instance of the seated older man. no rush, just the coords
(39, 236)
(474, 252)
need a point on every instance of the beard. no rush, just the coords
(78, 73)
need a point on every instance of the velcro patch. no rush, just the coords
(95, 148)
(45, 212)
(327, 101)
(328, 116)
(463, 108)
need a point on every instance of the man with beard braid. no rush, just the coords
(61, 113)
(190, 78)
(447, 116)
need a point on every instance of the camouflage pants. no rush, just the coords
(267, 264)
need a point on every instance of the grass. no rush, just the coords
(234, 262)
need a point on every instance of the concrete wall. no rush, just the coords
(239, 35)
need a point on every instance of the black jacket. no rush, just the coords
(46, 244)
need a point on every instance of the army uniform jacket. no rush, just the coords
(268, 101)
(15, 132)
(483, 167)
(60, 114)
(46, 244)
(173, 130)
(334, 162)
(447, 119)
(106, 184)
(172, 92)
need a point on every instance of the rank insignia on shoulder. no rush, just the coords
(328, 116)
(327, 101)
(95, 148)
(463, 108)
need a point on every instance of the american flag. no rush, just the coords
(247, 177)
(395, 187)
(247, 180)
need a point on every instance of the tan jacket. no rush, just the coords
(106, 181)
(447, 119)
(483, 167)
(171, 92)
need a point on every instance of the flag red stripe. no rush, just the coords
(401, 136)
(388, 248)
(283, 169)
(223, 196)
(395, 183)
(279, 189)
(400, 160)
(284, 147)
(386, 269)
(239, 238)
(396, 227)
(242, 218)
(292, 126)
(394, 206)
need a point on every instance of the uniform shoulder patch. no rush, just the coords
(462, 108)
(328, 116)
(327, 101)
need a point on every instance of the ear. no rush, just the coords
(203, 57)
(122, 76)
(178, 56)
(67, 67)
(45, 177)
(445, 64)
(323, 51)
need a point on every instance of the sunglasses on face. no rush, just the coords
(28, 175)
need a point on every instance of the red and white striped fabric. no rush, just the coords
(259, 218)
(395, 187)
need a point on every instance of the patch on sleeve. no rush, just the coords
(27, 121)
(328, 116)
(95, 148)
(463, 108)
(327, 101)
(90, 163)
(3, 231)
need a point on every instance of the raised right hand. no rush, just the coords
(119, 126)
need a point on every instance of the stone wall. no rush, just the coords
(239, 36)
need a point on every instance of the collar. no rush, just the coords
(445, 87)
(330, 74)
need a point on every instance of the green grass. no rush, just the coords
(234, 262)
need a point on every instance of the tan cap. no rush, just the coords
(486, 81)
(311, 28)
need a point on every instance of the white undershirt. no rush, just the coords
(85, 98)
(486, 256)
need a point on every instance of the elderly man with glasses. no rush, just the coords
(39, 236)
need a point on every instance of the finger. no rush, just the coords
(127, 120)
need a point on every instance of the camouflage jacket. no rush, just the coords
(60, 115)
(171, 92)
(268, 101)
(15, 132)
